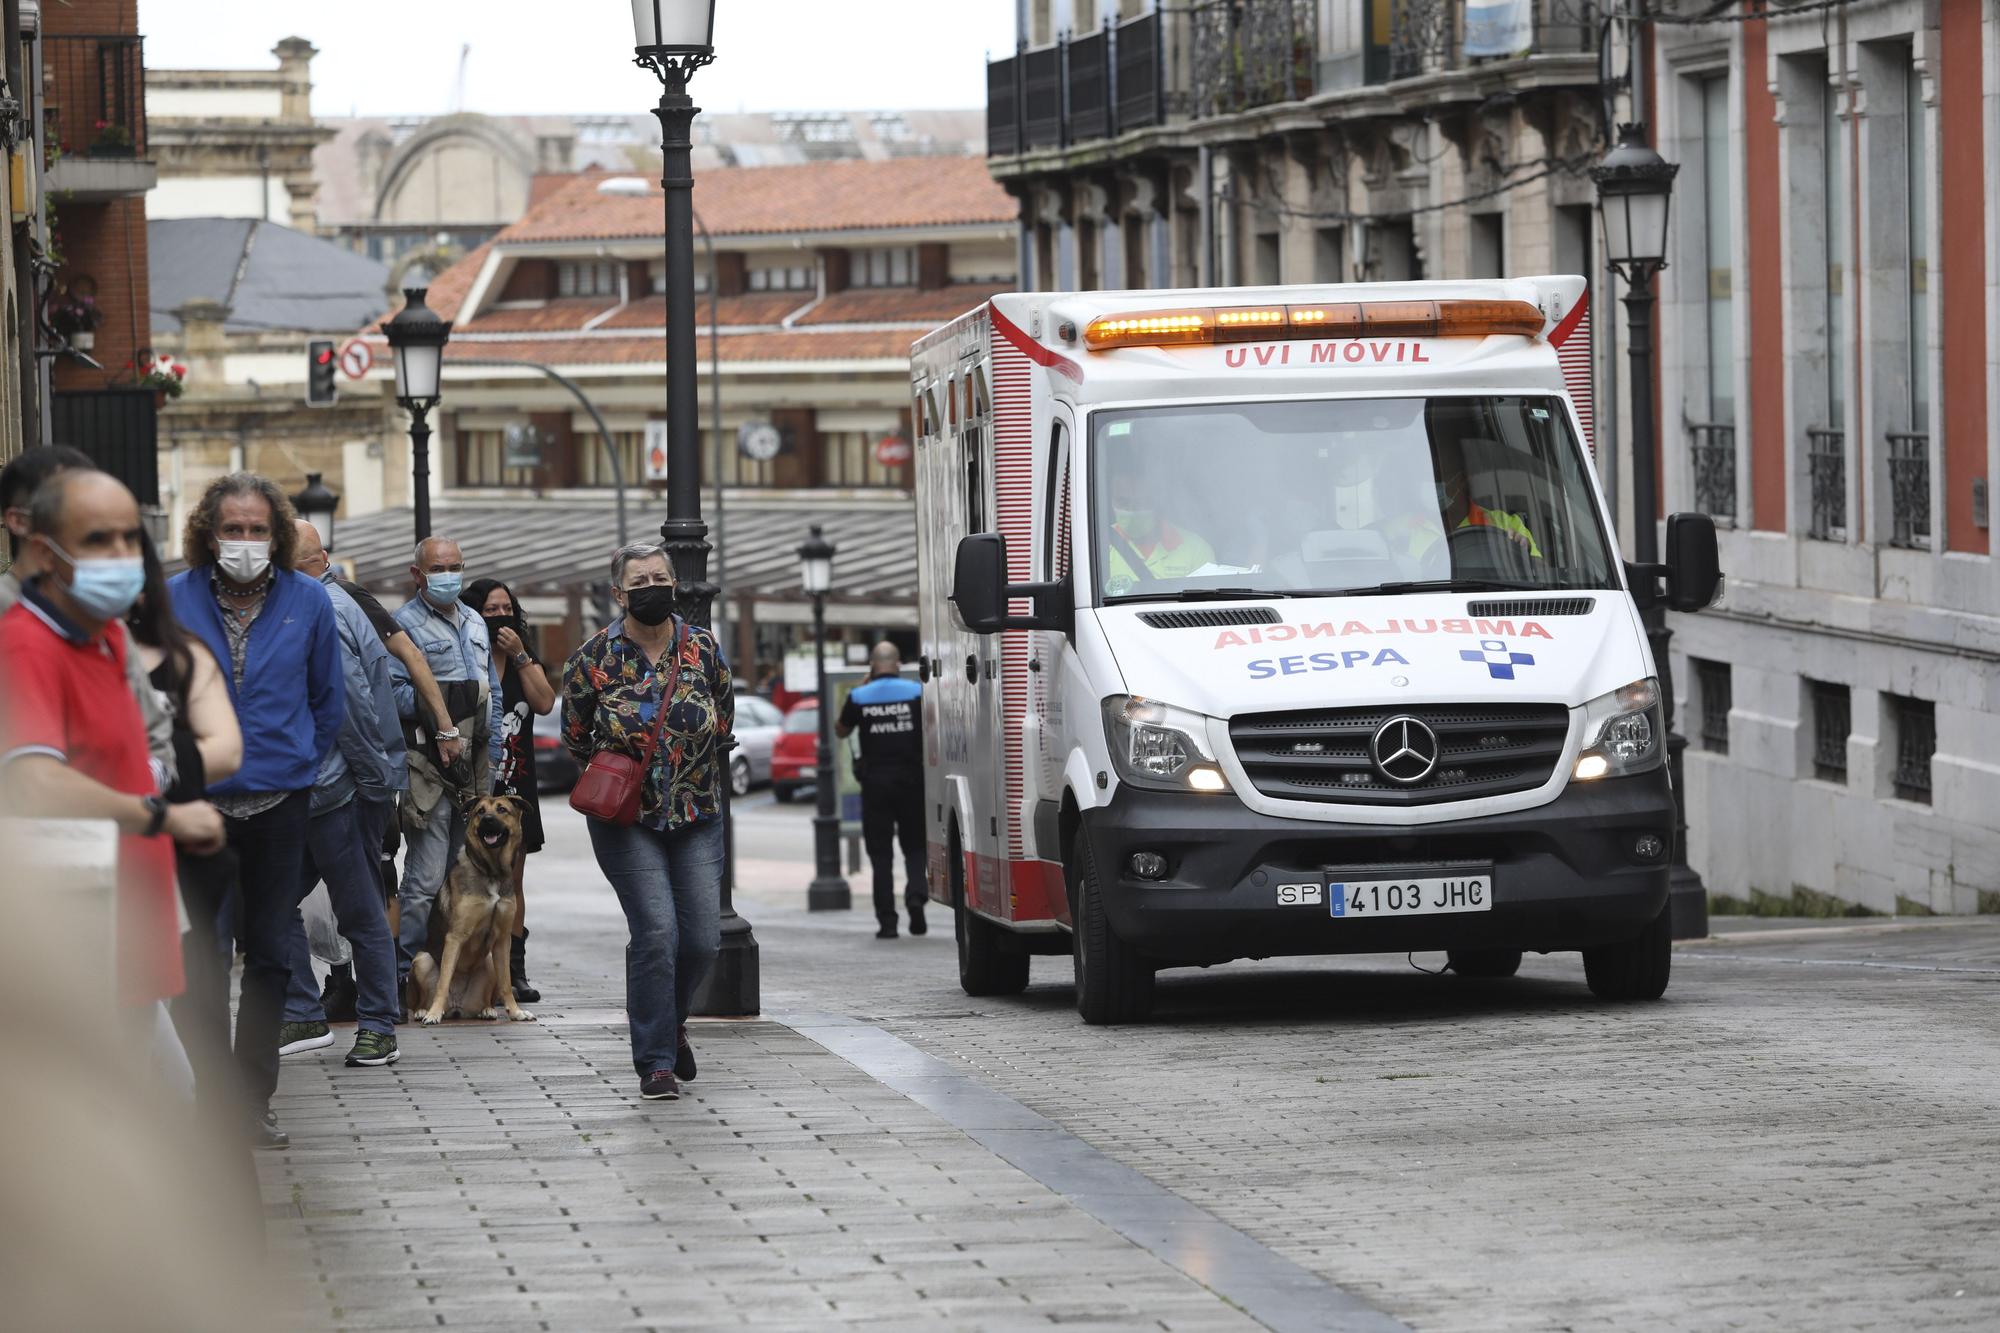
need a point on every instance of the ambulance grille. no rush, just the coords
(1322, 754)
(1547, 606)
(1212, 619)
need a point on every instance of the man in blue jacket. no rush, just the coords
(357, 780)
(272, 629)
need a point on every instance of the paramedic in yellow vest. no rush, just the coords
(1456, 506)
(1139, 529)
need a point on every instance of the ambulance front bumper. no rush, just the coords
(1588, 868)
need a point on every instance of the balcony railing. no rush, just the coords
(119, 429)
(1910, 489)
(1249, 53)
(96, 103)
(1077, 89)
(1428, 36)
(1712, 450)
(1826, 464)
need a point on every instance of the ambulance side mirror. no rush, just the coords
(1694, 566)
(980, 591)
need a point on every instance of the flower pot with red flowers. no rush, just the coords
(111, 140)
(166, 377)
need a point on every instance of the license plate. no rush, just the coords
(1410, 897)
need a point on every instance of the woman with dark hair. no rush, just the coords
(208, 747)
(525, 691)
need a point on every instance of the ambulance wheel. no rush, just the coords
(1114, 983)
(1636, 970)
(1484, 963)
(986, 966)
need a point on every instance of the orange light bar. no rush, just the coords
(1364, 319)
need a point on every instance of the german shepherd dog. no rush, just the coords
(466, 968)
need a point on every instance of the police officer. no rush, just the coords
(887, 709)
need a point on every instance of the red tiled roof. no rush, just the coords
(861, 345)
(815, 196)
(897, 305)
(751, 309)
(569, 312)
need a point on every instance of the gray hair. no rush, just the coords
(626, 554)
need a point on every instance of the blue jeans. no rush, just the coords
(670, 885)
(426, 861)
(340, 850)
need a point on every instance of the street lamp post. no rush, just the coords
(417, 336)
(673, 39)
(316, 504)
(1634, 186)
(829, 891)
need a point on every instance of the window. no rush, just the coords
(1268, 272)
(793, 278)
(1713, 684)
(656, 277)
(1486, 245)
(1839, 249)
(1917, 185)
(972, 448)
(883, 268)
(587, 278)
(736, 469)
(849, 460)
(1718, 236)
(1916, 742)
(482, 461)
(1055, 517)
(1330, 254)
(1832, 720)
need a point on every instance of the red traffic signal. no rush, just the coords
(321, 363)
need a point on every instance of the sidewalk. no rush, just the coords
(507, 1176)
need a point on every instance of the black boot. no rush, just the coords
(338, 995)
(518, 967)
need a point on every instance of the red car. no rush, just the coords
(796, 751)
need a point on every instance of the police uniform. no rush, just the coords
(888, 712)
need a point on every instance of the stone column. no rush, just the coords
(204, 344)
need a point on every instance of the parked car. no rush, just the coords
(794, 756)
(758, 725)
(554, 769)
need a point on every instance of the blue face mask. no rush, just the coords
(105, 587)
(443, 588)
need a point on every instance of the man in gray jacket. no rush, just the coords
(356, 782)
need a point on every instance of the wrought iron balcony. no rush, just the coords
(1712, 450)
(1077, 89)
(119, 429)
(1910, 489)
(1826, 464)
(1427, 36)
(1249, 53)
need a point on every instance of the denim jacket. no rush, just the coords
(357, 763)
(456, 647)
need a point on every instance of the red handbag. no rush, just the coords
(608, 788)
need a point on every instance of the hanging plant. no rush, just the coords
(162, 374)
(73, 310)
(110, 140)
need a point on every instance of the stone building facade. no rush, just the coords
(235, 143)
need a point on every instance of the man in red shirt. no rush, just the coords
(72, 745)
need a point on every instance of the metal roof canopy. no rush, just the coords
(538, 546)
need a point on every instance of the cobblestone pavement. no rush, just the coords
(1800, 1136)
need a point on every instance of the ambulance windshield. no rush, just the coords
(1342, 496)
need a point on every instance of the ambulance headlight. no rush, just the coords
(1623, 732)
(1160, 746)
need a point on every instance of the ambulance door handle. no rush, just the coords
(1035, 664)
(972, 668)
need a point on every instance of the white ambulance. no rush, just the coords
(1284, 621)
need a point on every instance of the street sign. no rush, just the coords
(356, 359)
(656, 451)
(759, 441)
(894, 451)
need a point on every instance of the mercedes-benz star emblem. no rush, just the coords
(1405, 750)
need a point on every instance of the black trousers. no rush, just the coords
(893, 813)
(270, 849)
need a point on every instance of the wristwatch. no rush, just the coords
(450, 735)
(156, 810)
(522, 659)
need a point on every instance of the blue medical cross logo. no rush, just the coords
(1497, 659)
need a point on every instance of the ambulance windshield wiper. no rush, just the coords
(1429, 585)
(1204, 595)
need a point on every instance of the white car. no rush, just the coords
(758, 722)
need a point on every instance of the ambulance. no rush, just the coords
(1285, 621)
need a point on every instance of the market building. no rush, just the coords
(823, 274)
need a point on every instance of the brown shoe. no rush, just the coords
(659, 1086)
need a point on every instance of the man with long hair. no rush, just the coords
(272, 630)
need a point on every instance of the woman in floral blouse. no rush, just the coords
(667, 867)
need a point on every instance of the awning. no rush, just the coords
(559, 545)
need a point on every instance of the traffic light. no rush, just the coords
(322, 361)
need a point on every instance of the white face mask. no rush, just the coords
(243, 562)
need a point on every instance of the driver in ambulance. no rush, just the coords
(1144, 545)
(1458, 509)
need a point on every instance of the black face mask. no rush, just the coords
(651, 605)
(494, 624)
